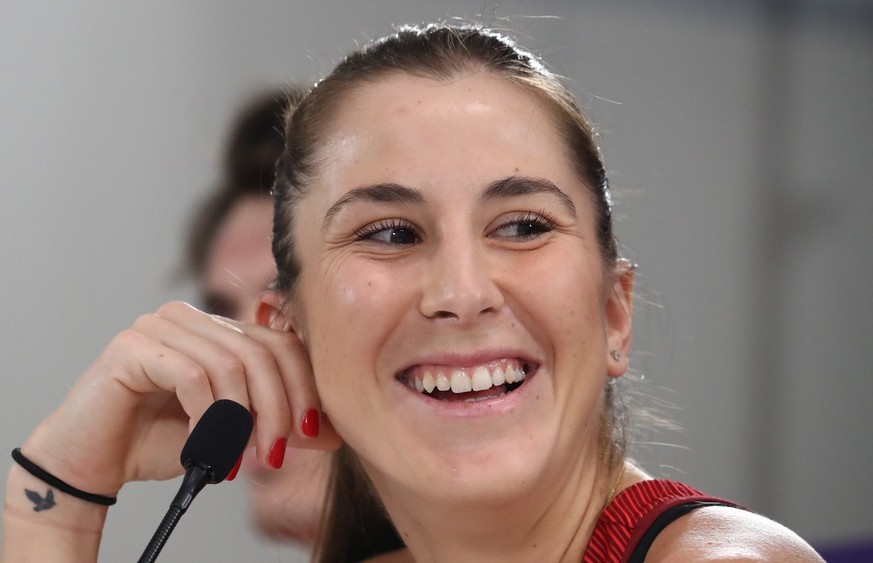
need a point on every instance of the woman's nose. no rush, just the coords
(459, 284)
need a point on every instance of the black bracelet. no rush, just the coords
(50, 479)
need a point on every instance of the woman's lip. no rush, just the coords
(502, 404)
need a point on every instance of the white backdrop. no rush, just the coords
(738, 141)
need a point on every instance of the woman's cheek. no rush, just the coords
(357, 306)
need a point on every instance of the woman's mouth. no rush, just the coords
(467, 383)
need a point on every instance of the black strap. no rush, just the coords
(53, 481)
(662, 521)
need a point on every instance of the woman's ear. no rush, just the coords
(273, 311)
(619, 317)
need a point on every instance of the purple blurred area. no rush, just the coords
(860, 551)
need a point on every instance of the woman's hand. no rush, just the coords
(129, 415)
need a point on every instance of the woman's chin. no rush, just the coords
(484, 475)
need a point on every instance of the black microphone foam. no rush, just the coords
(218, 439)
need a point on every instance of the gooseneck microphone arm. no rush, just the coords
(168, 524)
(195, 479)
(210, 453)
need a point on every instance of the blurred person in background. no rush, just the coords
(229, 257)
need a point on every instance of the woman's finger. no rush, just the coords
(310, 427)
(241, 367)
(197, 360)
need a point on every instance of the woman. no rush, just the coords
(450, 303)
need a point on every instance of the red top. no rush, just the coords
(624, 521)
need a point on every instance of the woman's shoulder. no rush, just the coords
(721, 533)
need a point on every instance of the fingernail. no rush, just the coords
(232, 475)
(310, 423)
(277, 453)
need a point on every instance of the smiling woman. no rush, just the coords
(454, 261)
(450, 306)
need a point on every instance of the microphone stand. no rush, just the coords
(195, 479)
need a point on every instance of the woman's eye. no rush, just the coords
(389, 232)
(527, 226)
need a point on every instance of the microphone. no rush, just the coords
(210, 453)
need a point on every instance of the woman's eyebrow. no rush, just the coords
(379, 193)
(514, 186)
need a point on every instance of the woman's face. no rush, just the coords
(447, 244)
(240, 264)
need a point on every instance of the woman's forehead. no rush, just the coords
(470, 92)
(408, 125)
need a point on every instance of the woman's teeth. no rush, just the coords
(466, 379)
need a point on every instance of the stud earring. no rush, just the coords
(616, 355)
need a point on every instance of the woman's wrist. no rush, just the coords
(41, 523)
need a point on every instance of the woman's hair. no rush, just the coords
(355, 525)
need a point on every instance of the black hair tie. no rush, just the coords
(50, 479)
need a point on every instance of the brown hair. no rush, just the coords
(254, 143)
(355, 525)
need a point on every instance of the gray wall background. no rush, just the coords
(738, 136)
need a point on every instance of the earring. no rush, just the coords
(616, 355)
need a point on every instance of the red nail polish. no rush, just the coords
(310, 423)
(232, 475)
(277, 453)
